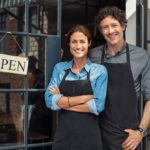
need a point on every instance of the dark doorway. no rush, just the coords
(83, 12)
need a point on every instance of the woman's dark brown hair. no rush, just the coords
(79, 28)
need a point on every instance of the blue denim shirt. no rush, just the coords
(98, 79)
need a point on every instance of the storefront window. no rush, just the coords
(2, 27)
(11, 120)
(25, 26)
(2, 21)
(42, 16)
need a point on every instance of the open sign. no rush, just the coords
(13, 64)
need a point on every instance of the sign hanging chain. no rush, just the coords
(13, 37)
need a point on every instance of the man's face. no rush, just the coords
(112, 30)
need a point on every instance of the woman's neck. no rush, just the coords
(78, 64)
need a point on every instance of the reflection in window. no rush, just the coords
(35, 75)
(39, 120)
(2, 27)
(15, 80)
(36, 60)
(2, 21)
(10, 116)
(33, 20)
(2, 44)
(42, 16)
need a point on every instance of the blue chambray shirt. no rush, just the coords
(98, 79)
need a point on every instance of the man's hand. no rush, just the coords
(133, 140)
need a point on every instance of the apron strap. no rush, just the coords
(103, 53)
(88, 75)
(127, 54)
(66, 73)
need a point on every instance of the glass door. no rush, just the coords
(28, 29)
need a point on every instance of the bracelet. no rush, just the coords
(69, 102)
(142, 131)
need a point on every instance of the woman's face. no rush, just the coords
(79, 45)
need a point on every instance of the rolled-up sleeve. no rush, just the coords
(50, 99)
(99, 79)
(100, 90)
(92, 107)
(145, 80)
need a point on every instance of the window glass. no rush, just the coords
(15, 45)
(48, 16)
(2, 27)
(39, 120)
(14, 16)
(14, 80)
(33, 19)
(11, 122)
(2, 21)
(36, 68)
(23, 114)
(11, 45)
(42, 16)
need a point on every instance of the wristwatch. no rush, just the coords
(142, 131)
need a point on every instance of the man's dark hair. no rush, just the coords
(113, 11)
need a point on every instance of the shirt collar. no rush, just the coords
(86, 67)
(120, 51)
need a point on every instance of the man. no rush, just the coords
(128, 76)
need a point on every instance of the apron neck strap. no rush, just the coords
(66, 73)
(127, 54)
(88, 75)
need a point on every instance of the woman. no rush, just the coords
(77, 89)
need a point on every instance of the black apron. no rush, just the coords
(75, 130)
(121, 109)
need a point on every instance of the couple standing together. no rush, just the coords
(97, 93)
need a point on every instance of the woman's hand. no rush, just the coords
(54, 90)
